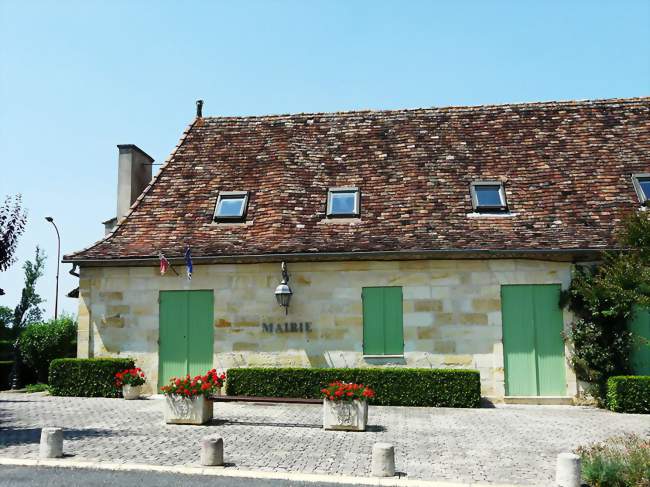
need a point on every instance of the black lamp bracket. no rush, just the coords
(285, 273)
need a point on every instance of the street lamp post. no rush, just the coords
(58, 259)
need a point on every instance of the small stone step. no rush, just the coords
(540, 400)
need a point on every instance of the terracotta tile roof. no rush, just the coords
(566, 168)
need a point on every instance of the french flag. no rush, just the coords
(188, 262)
(164, 264)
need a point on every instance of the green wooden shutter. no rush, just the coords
(549, 346)
(186, 334)
(173, 340)
(532, 340)
(393, 321)
(373, 321)
(640, 353)
(382, 321)
(518, 340)
(200, 331)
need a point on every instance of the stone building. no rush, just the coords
(421, 238)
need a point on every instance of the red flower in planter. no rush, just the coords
(204, 385)
(129, 377)
(342, 391)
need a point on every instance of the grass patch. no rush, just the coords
(37, 388)
(617, 462)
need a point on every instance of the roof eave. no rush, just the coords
(560, 255)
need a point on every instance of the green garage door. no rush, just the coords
(532, 340)
(640, 354)
(186, 338)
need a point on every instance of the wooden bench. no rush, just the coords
(294, 400)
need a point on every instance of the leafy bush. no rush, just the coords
(393, 387)
(617, 462)
(40, 343)
(86, 377)
(5, 371)
(603, 299)
(629, 394)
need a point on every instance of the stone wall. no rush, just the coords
(452, 312)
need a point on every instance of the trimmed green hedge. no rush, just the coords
(5, 371)
(393, 387)
(629, 394)
(93, 377)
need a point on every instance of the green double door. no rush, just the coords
(532, 340)
(186, 335)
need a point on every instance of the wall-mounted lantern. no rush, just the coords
(283, 292)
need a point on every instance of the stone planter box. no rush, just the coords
(345, 415)
(185, 410)
(130, 392)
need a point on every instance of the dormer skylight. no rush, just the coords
(343, 202)
(231, 206)
(488, 196)
(642, 186)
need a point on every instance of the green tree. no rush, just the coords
(6, 319)
(28, 309)
(6, 316)
(603, 299)
(12, 224)
(40, 343)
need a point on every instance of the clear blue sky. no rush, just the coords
(79, 77)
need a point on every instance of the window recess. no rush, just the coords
(642, 187)
(231, 206)
(343, 203)
(488, 196)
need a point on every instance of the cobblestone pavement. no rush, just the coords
(516, 444)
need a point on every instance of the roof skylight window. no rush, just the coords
(231, 206)
(642, 187)
(488, 196)
(343, 202)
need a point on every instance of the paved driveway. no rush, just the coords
(516, 444)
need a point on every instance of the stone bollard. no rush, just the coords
(51, 443)
(568, 470)
(383, 460)
(212, 451)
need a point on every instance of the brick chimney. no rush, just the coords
(133, 175)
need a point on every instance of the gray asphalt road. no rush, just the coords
(68, 477)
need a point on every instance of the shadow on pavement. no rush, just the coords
(11, 436)
(229, 422)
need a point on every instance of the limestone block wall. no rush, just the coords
(452, 313)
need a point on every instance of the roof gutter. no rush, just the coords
(560, 255)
